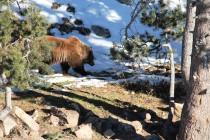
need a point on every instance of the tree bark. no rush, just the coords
(195, 120)
(188, 41)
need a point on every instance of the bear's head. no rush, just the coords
(90, 57)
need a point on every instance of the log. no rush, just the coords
(27, 119)
(8, 123)
(4, 113)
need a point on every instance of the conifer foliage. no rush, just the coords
(22, 47)
(157, 15)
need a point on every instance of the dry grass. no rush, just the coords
(111, 100)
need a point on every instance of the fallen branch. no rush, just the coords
(6, 115)
(135, 13)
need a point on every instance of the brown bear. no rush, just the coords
(71, 52)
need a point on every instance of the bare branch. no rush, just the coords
(135, 13)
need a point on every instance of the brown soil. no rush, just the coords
(105, 102)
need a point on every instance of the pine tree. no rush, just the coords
(21, 45)
(156, 15)
(196, 113)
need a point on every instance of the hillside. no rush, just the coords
(117, 100)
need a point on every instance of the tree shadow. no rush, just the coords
(126, 111)
(160, 90)
(122, 130)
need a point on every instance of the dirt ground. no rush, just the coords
(111, 101)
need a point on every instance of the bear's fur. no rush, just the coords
(71, 52)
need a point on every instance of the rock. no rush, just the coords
(72, 118)
(66, 28)
(101, 31)
(70, 9)
(54, 120)
(65, 20)
(60, 114)
(84, 132)
(55, 5)
(138, 126)
(8, 124)
(147, 117)
(126, 2)
(109, 133)
(78, 22)
(83, 30)
(5, 112)
(27, 119)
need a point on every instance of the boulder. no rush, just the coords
(54, 120)
(70, 9)
(55, 5)
(8, 124)
(83, 30)
(84, 132)
(78, 22)
(70, 118)
(66, 28)
(101, 31)
(126, 2)
(65, 20)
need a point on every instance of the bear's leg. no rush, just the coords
(81, 70)
(65, 67)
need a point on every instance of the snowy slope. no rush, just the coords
(107, 13)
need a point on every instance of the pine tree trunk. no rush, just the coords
(188, 41)
(195, 121)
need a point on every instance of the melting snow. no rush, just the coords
(109, 14)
